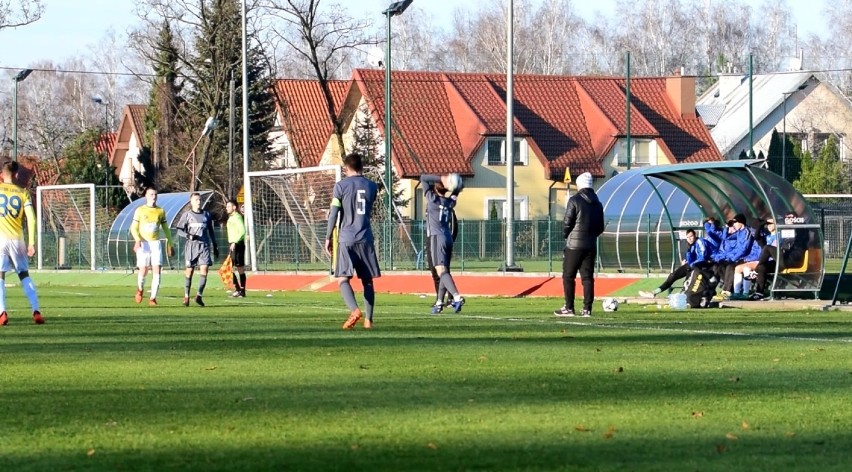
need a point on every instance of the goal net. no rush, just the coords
(290, 215)
(67, 224)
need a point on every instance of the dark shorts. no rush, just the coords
(441, 250)
(238, 255)
(357, 259)
(197, 254)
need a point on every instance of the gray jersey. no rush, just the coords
(354, 196)
(196, 226)
(438, 209)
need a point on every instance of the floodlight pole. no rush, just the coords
(231, 126)
(19, 77)
(510, 141)
(247, 196)
(100, 101)
(394, 9)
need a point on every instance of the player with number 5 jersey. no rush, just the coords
(352, 204)
(15, 205)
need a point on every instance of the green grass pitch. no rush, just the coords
(273, 383)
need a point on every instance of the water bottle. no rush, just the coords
(677, 301)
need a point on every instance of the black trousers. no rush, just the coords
(583, 261)
(679, 273)
(724, 271)
(765, 266)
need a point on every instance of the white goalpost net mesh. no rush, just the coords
(290, 216)
(68, 221)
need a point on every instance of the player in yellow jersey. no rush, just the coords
(148, 220)
(14, 206)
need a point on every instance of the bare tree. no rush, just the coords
(775, 36)
(15, 13)
(834, 54)
(54, 107)
(323, 39)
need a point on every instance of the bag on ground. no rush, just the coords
(698, 289)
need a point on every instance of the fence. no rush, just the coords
(480, 246)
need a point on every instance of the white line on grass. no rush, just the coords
(658, 328)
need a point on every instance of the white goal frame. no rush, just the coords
(40, 218)
(248, 204)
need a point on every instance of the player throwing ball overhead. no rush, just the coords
(440, 193)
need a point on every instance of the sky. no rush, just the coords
(71, 27)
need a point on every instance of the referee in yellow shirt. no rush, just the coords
(148, 220)
(14, 206)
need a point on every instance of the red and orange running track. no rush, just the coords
(508, 285)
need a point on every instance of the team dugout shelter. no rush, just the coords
(647, 211)
(120, 241)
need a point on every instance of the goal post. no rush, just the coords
(287, 215)
(66, 222)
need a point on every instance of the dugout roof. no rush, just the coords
(646, 207)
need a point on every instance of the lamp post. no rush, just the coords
(395, 8)
(209, 126)
(784, 130)
(19, 77)
(102, 102)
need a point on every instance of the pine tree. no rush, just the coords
(216, 58)
(83, 164)
(366, 142)
(825, 173)
(165, 100)
(206, 71)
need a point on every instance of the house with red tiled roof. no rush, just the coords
(127, 144)
(456, 122)
(34, 171)
(106, 144)
(302, 128)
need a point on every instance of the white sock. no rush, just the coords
(140, 281)
(746, 286)
(738, 283)
(30, 290)
(155, 285)
(3, 295)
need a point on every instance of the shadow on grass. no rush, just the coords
(574, 451)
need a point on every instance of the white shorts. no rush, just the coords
(13, 255)
(150, 253)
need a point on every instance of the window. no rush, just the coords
(495, 208)
(644, 152)
(495, 152)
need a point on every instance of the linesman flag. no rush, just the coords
(226, 272)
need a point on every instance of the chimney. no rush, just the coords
(681, 91)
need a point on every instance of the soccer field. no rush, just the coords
(273, 383)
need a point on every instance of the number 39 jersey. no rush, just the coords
(13, 201)
(355, 196)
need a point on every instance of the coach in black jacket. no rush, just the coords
(583, 223)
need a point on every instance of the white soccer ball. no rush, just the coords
(453, 183)
(610, 304)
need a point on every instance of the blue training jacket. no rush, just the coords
(697, 253)
(738, 245)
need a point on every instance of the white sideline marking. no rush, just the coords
(79, 294)
(672, 330)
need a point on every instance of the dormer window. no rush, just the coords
(495, 151)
